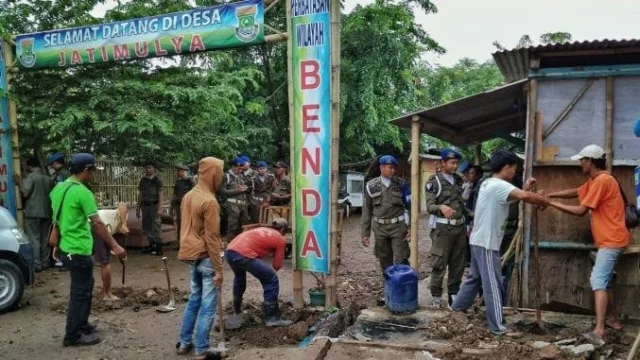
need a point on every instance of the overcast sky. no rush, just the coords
(467, 28)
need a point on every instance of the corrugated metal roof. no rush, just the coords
(474, 119)
(514, 64)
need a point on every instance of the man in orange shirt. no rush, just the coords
(243, 255)
(601, 195)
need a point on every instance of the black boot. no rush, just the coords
(237, 306)
(149, 249)
(272, 316)
(157, 249)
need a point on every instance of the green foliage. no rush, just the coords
(525, 41)
(440, 85)
(226, 102)
(380, 47)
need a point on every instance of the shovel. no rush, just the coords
(172, 302)
(124, 263)
(222, 346)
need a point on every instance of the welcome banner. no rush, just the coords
(201, 29)
(311, 68)
(7, 188)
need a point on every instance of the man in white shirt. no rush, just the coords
(116, 222)
(491, 212)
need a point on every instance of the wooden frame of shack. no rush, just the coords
(563, 97)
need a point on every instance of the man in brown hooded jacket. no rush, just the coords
(200, 247)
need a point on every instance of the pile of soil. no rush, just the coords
(254, 333)
(130, 298)
(468, 330)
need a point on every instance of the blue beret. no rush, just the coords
(636, 128)
(466, 166)
(237, 161)
(57, 157)
(245, 159)
(388, 160)
(262, 164)
(448, 154)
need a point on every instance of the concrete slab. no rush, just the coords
(381, 325)
(349, 352)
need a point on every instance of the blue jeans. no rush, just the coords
(603, 269)
(201, 307)
(256, 267)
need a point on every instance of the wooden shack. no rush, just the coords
(562, 97)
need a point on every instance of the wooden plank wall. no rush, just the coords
(565, 273)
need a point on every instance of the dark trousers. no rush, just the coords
(259, 269)
(81, 272)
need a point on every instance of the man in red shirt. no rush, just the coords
(601, 195)
(243, 255)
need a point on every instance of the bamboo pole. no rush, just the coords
(538, 135)
(332, 280)
(270, 4)
(415, 189)
(276, 38)
(608, 131)
(528, 172)
(298, 284)
(15, 145)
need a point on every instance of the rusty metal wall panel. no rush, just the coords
(626, 109)
(585, 123)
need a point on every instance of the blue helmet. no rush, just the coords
(388, 160)
(56, 157)
(262, 164)
(636, 128)
(450, 154)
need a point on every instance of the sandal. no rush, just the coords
(208, 355)
(594, 339)
(183, 350)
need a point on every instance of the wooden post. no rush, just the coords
(538, 135)
(415, 189)
(528, 172)
(608, 130)
(15, 145)
(298, 285)
(332, 281)
(477, 154)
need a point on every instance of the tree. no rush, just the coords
(440, 85)
(181, 111)
(378, 86)
(525, 41)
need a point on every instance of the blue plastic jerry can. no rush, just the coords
(401, 289)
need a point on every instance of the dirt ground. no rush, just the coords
(131, 328)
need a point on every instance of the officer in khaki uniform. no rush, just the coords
(385, 211)
(235, 191)
(282, 193)
(263, 185)
(183, 185)
(449, 236)
(150, 200)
